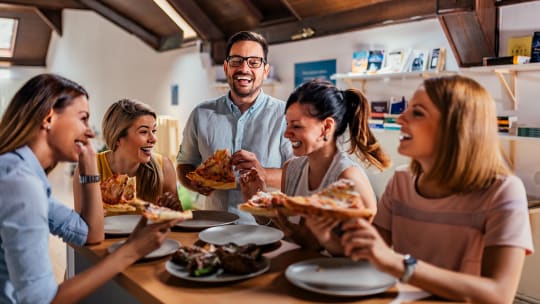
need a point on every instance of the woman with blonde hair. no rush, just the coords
(455, 223)
(129, 130)
(45, 123)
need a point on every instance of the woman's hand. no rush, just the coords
(170, 200)
(361, 240)
(250, 183)
(244, 161)
(87, 159)
(146, 238)
(299, 233)
(321, 227)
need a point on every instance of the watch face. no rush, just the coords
(409, 260)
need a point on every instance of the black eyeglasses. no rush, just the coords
(252, 61)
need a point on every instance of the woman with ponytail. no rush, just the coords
(317, 114)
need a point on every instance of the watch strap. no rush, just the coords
(89, 179)
(409, 262)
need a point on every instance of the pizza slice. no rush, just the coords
(339, 201)
(119, 193)
(157, 213)
(266, 204)
(216, 172)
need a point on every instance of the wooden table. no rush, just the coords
(149, 282)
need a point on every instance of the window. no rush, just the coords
(8, 30)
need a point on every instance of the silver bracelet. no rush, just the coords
(89, 179)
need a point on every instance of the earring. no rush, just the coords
(48, 127)
(325, 138)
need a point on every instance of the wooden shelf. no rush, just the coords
(503, 71)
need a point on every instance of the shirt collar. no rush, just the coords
(256, 105)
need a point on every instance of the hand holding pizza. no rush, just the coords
(362, 241)
(244, 161)
(251, 183)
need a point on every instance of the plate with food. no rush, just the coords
(216, 264)
(339, 277)
(168, 247)
(121, 224)
(241, 235)
(203, 219)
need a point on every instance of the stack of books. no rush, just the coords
(390, 122)
(505, 123)
(378, 111)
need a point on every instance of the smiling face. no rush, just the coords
(140, 140)
(304, 131)
(68, 129)
(246, 82)
(419, 129)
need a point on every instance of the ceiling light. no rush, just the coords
(176, 18)
(8, 30)
(306, 32)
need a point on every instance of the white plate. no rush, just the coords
(241, 235)
(218, 277)
(203, 219)
(120, 224)
(339, 277)
(168, 247)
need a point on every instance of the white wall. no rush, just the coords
(113, 64)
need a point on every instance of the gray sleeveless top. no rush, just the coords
(296, 182)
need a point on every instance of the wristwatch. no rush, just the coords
(89, 179)
(410, 263)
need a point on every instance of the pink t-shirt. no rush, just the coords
(452, 232)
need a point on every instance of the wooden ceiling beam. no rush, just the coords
(52, 17)
(199, 21)
(291, 9)
(131, 26)
(376, 15)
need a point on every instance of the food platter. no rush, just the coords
(241, 235)
(219, 277)
(120, 224)
(168, 247)
(203, 219)
(339, 277)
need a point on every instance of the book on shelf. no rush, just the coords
(487, 61)
(360, 61)
(379, 109)
(398, 106)
(419, 60)
(391, 126)
(375, 61)
(535, 47)
(505, 123)
(519, 46)
(395, 61)
(528, 131)
(437, 59)
(375, 123)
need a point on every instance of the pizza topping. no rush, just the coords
(118, 189)
(157, 213)
(216, 172)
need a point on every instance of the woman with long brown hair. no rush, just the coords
(47, 122)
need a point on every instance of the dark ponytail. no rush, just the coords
(348, 108)
(363, 142)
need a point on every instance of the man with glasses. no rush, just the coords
(246, 121)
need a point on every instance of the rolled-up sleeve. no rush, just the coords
(24, 236)
(67, 224)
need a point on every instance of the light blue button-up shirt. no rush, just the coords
(219, 124)
(28, 214)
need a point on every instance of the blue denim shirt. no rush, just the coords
(219, 124)
(27, 214)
